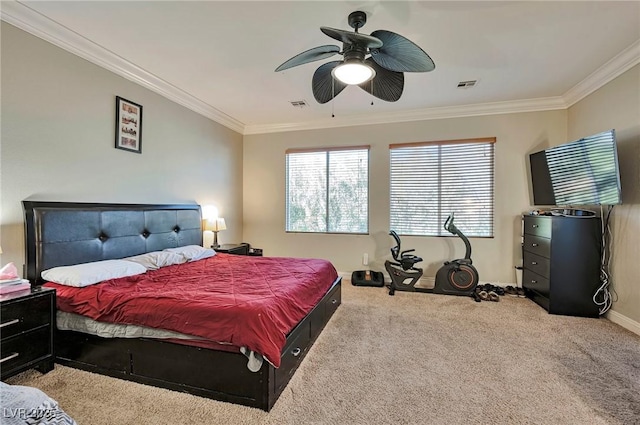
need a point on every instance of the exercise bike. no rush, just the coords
(456, 277)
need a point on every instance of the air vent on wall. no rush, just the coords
(299, 103)
(467, 84)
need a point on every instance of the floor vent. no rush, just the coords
(467, 84)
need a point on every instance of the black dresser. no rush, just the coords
(561, 263)
(27, 321)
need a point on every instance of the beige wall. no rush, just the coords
(617, 105)
(57, 137)
(517, 135)
(57, 142)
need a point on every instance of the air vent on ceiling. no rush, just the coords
(467, 84)
(299, 103)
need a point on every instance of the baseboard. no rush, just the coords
(345, 275)
(428, 281)
(623, 321)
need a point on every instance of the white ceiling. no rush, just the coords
(218, 57)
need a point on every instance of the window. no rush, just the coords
(431, 180)
(328, 190)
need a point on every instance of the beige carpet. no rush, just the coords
(409, 359)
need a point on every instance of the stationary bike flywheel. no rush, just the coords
(462, 278)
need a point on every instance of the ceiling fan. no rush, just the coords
(373, 62)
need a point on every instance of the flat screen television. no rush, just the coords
(584, 172)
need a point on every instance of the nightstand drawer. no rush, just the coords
(24, 314)
(20, 350)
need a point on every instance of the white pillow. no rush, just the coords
(155, 260)
(193, 252)
(89, 273)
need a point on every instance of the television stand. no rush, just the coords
(561, 263)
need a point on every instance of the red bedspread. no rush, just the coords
(251, 302)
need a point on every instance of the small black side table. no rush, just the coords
(239, 249)
(233, 248)
(27, 323)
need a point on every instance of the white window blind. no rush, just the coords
(328, 190)
(431, 180)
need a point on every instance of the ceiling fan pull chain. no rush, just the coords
(333, 97)
(372, 92)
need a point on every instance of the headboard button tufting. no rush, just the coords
(176, 229)
(145, 234)
(103, 237)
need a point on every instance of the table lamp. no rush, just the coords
(215, 225)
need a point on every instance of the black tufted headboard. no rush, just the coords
(66, 233)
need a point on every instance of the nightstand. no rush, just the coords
(239, 249)
(27, 322)
(233, 248)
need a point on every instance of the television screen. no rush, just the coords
(584, 172)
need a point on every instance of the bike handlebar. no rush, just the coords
(448, 224)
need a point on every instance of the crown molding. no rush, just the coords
(621, 63)
(27, 19)
(494, 108)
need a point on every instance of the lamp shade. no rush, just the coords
(209, 212)
(215, 224)
(220, 224)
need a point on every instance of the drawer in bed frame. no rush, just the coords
(218, 375)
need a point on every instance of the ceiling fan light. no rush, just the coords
(353, 73)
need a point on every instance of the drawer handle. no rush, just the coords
(533, 263)
(296, 352)
(534, 244)
(534, 225)
(12, 356)
(13, 322)
(334, 301)
(534, 281)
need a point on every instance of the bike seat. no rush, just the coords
(406, 260)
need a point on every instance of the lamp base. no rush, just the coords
(215, 240)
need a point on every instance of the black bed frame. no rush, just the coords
(63, 233)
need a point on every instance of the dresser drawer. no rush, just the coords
(292, 356)
(21, 350)
(539, 226)
(334, 300)
(537, 245)
(537, 264)
(535, 282)
(316, 321)
(23, 315)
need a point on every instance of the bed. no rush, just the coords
(64, 234)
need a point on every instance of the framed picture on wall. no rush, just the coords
(128, 125)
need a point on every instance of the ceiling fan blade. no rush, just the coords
(324, 86)
(310, 55)
(400, 54)
(386, 85)
(350, 37)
